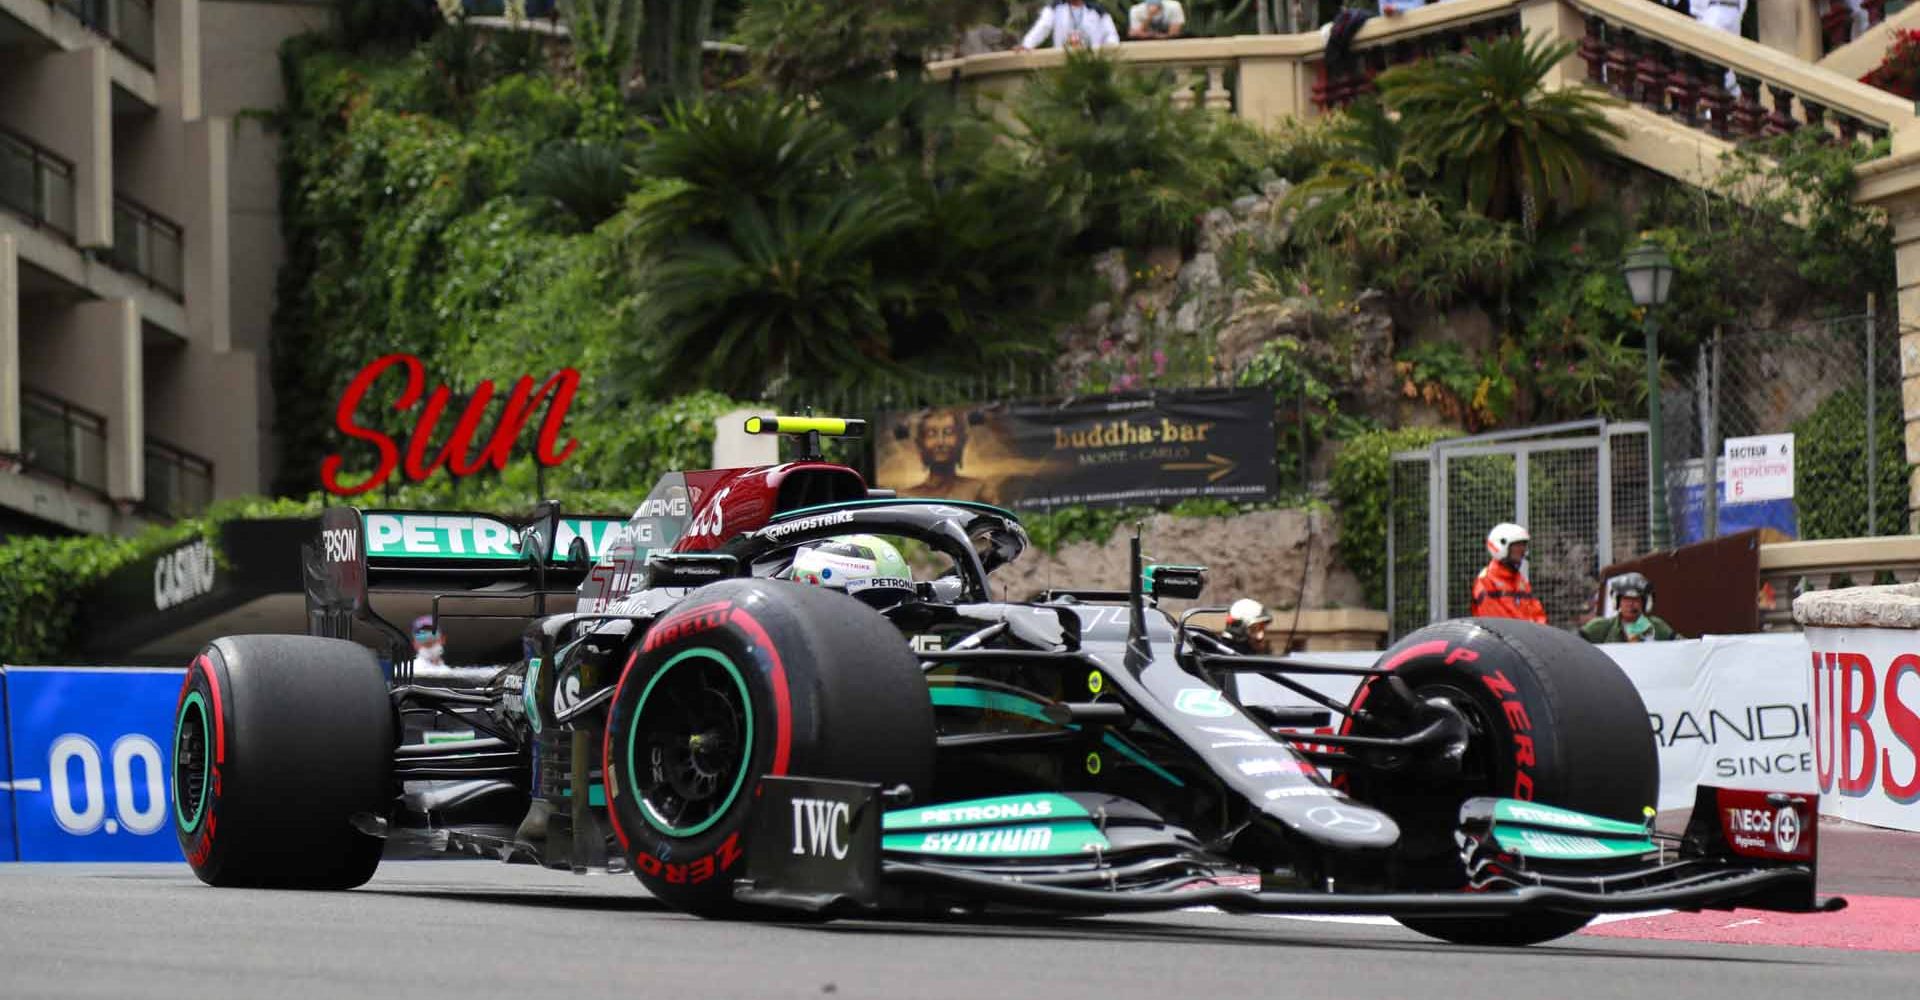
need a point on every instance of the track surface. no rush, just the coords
(478, 929)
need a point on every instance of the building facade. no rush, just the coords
(138, 247)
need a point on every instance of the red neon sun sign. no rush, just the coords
(457, 454)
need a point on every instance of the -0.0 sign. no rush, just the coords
(80, 807)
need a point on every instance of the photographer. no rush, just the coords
(1156, 19)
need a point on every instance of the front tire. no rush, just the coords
(1556, 720)
(279, 741)
(749, 678)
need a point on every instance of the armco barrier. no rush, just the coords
(90, 755)
(1725, 710)
(8, 850)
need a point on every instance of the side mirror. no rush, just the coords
(577, 558)
(1185, 582)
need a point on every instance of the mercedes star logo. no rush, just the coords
(1335, 818)
(1786, 830)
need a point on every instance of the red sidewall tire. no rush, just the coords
(835, 693)
(1561, 724)
(295, 737)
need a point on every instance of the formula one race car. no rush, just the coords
(750, 744)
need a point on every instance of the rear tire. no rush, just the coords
(1559, 723)
(279, 741)
(748, 678)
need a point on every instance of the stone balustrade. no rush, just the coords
(1647, 55)
(1792, 573)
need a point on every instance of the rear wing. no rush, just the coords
(432, 555)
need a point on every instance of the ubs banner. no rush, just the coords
(1866, 723)
(1104, 449)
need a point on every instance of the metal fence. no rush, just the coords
(1581, 489)
(1835, 386)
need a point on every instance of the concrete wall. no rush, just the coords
(180, 382)
(44, 97)
(89, 354)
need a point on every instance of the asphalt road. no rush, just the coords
(459, 929)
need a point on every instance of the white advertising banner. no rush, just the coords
(1725, 710)
(1866, 723)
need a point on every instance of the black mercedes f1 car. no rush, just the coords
(748, 746)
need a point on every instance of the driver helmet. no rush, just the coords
(1633, 585)
(864, 566)
(1244, 615)
(1500, 541)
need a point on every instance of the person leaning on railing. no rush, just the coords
(1156, 19)
(1075, 24)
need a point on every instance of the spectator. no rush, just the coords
(1247, 623)
(1501, 590)
(1725, 15)
(1861, 20)
(1156, 19)
(1633, 619)
(429, 646)
(1074, 24)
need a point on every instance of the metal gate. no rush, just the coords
(1581, 489)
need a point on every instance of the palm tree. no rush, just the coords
(1371, 156)
(1485, 120)
(787, 290)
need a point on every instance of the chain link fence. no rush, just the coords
(1580, 488)
(1833, 385)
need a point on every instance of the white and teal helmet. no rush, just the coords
(865, 566)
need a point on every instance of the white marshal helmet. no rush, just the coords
(864, 566)
(1500, 540)
(1243, 615)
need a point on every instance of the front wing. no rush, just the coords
(820, 847)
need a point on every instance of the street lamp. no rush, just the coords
(1649, 274)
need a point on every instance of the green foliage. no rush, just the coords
(605, 39)
(1306, 410)
(1830, 470)
(1143, 169)
(1362, 491)
(1368, 221)
(816, 255)
(1062, 526)
(671, 35)
(1512, 147)
(383, 23)
(44, 581)
(803, 46)
(1298, 147)
(1779, 226)
(584, 182)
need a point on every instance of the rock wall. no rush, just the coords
(1263, 555)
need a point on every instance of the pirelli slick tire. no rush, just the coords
(747, 678)
(1555, 721)
(279, 741)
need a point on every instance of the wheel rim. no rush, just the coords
(190, 762)
(1481, 759)
(690, 744)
